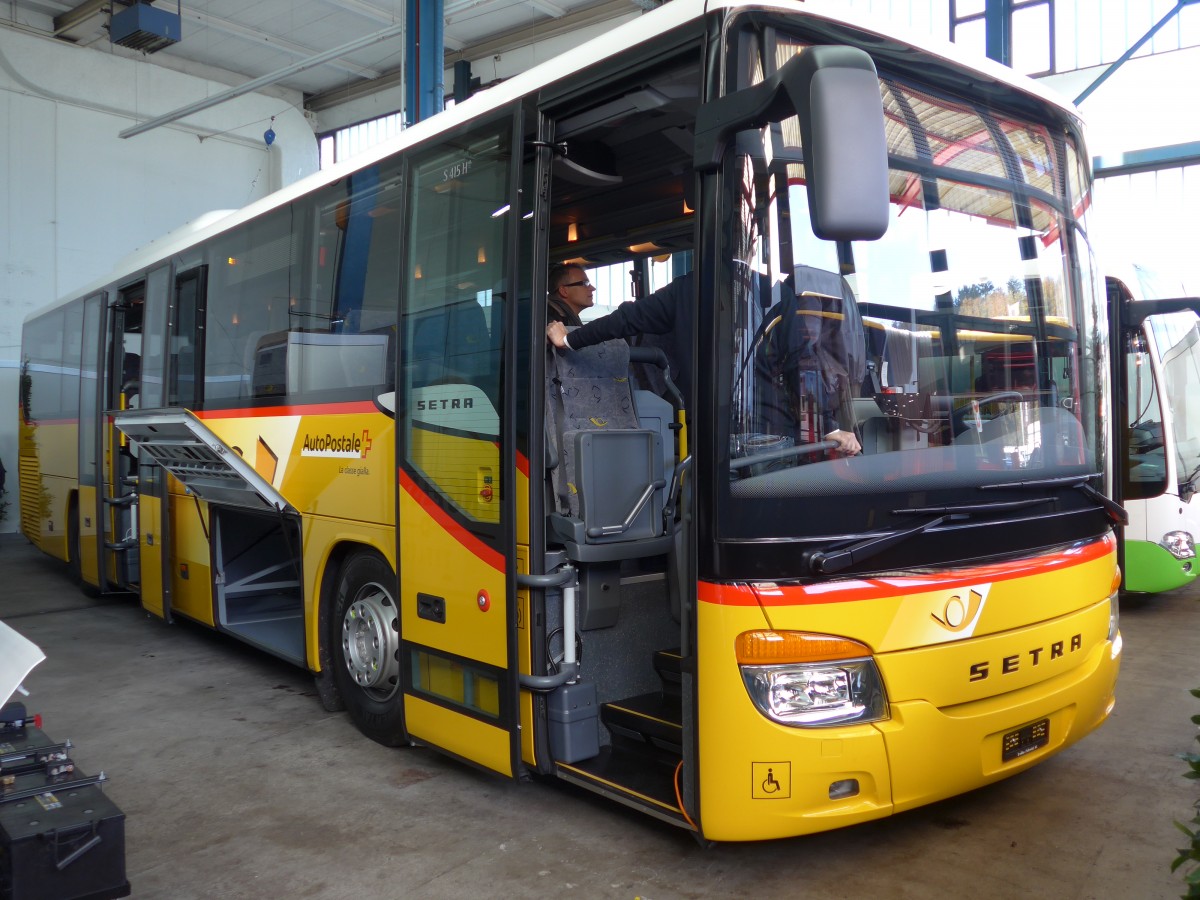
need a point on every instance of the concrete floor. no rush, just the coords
(235, 783)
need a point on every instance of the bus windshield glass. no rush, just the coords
(959, 351)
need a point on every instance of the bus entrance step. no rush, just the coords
(629, 778)
(669, 666)
(653, 718)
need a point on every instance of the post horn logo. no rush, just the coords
(958, 615)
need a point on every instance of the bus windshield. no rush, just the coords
(959, 351)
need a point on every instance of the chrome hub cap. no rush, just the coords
(370, 642)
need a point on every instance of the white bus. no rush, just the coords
(1158, 423)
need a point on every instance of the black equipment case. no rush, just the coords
(61, 838)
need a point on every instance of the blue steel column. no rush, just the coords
(423, 59)
(997, 28)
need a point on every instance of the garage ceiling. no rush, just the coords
(259, 38)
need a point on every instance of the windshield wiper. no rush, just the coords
(971, 507)
(827, 562)
(1116, 512)
(1188, 485)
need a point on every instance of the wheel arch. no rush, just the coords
(340, 551)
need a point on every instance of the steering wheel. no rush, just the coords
(960, 415)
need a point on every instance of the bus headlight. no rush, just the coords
(802, 679)
(1179, 544)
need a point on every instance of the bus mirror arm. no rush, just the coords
(834, 92)
(1117, 514)
(821, 562)
(753, 107)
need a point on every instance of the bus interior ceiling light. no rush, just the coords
(143, 27)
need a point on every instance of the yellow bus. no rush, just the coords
(330, 425)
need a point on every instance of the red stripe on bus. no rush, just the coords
(313, 409)
(523, 464)
(851, 589)
(482, 550)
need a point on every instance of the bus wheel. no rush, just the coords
(365, 647)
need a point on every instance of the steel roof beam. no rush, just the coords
(270, 78)
(257, 37)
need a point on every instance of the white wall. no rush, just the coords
(1149, 217)
(75, 198)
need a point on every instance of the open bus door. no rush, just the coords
(120, 568)
(153, 534)
(457, 474)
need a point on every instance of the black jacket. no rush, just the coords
(668, 311)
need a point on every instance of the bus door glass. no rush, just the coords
(455, 458)
(119, 482)
(185, 328)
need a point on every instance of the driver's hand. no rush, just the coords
(847, 443)
(556, 334)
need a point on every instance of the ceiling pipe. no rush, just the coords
(263, 81)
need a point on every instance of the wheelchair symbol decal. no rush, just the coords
(771, 780)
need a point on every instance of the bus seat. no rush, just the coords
(609, 484)
(452, 344)
(249, 362)
(878, 435)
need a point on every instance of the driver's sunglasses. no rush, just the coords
(584, 283)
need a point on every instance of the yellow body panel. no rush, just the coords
(48, 463)
(321, 538)
(150, 549)
(89, 560)
(953, 694)
(190, 557)
(461, 735)
(435, 562)
(336, 465)
(742, 753)
(525, 657)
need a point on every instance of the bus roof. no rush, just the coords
(644, 28)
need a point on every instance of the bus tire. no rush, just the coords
(364, 646)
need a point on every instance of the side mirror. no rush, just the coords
(834, 91)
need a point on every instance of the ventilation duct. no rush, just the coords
(144, 27)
